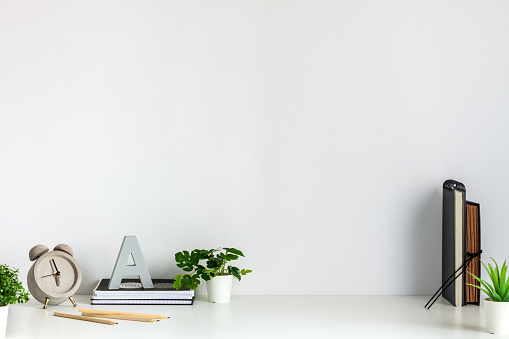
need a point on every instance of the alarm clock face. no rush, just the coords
(57, 274)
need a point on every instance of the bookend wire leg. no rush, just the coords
(447, 283)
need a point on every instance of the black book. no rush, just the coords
(453, 240)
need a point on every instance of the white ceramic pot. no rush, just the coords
(219, 288)
(497, 316)
(4, 310)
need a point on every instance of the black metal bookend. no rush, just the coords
(453, 276)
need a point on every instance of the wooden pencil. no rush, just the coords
(154, 316)
(79, 317)
(120, 317)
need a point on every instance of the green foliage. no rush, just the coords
(499, 291)
(11, 289)
(215, 264)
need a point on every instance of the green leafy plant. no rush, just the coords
(11, 289)
(499, 290)
(216, 261)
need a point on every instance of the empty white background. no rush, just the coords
(313, 135)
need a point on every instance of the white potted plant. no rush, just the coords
(215, 272)
(496, 307)
(11, 292)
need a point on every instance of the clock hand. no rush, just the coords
(57, 273)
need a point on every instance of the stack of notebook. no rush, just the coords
(131, 292)
(461, 245)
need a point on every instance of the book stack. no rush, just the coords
(131, 292)
(461, 245)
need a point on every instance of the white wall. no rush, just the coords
(313, 135)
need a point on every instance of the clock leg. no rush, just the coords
(72, 300)
(46, 303)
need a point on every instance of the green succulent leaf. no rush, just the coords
(504, 288)
(494, 276)
(498, 290)
(485, 284)
(497, 271)
(490, 295)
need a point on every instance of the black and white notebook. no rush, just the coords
(133, 289)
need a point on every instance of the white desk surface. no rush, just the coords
(262, 317)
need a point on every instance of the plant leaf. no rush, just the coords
(503, 282)
(494, 277)
(179, 257)
(497, 274)
(235, 272)
(485, 291)
(497, 270)
(177, 284)
(234, 251)
(230, 257)
(485, 284)
(214, 263)
(490, 273)
(11, 289)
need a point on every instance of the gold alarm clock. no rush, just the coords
(55, 276)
